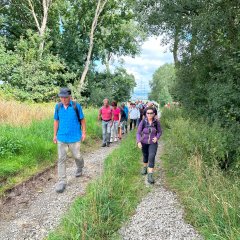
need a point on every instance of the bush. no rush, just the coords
(24, 150)
(30, 75)
(10, 146)
(193, 157)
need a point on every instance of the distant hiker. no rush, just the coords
(134, 114)
(141, 110)
(116, 121)
(122, 121)
(69, 130)
(125, 109)
(105, 114)
(148, 134)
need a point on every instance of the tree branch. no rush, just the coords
(34, 15)
(98, 11)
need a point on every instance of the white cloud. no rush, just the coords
(152, 56)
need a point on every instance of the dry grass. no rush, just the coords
(15, 113)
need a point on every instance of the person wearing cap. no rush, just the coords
(69, 131)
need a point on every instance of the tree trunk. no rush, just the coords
(99, 9)
(175, 46)
(43, 25)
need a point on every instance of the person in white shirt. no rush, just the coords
(134, 114)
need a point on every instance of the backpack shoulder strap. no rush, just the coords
(76, 110)
(144, 124)
(58, 106)
(156, 125)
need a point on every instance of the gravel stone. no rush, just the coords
(159, 216)
(46, 207)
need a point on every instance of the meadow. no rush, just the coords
(26, 145)
(192, 160)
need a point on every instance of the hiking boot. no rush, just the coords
(78, 172)
(150, 178)
(60, 187)
(108, 144)
(104, 145)
(144, 171)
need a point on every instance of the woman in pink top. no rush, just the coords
(116, 121)
(105, 114)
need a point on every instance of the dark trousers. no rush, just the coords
(149, 153)
(133, 122)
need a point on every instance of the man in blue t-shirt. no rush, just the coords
(69, 131)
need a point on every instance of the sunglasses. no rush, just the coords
(149, 112)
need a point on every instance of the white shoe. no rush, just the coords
(111, 140)
(115, 140)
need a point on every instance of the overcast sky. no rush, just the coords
(152, 56)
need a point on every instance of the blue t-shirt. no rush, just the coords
(69, 128)
(125, 109)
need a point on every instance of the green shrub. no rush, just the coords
(9, 146)
(193, 157)
(29, 148)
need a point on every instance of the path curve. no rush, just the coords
(159, 216)
(45, 207)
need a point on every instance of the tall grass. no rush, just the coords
(16, 113)
(28, 148)
(211, 196)
(109, 200)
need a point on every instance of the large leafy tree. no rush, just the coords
(207, 50)
(116, 86)
(71, 34)
(162, 83)
(27, 76)
(115, 34)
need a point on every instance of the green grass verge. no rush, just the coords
(109, 200)
(25, 150)
(211, 196)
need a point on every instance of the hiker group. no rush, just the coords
(70, 130)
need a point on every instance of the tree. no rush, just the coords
(116, 86)
(162, 84)
(208, 67)
(29, 78)
(42, 22)
(99, 9)
(111, 35)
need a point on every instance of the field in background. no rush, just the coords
(16, 113)
(192, 156)
(26, 145)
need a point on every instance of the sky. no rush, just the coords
(143, 66)
(152, 56)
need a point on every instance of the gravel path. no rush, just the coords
(46, 208)
(159, 216)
